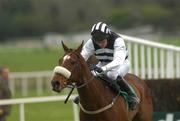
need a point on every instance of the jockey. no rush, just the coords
(109, 48)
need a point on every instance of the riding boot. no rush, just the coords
(111, 83)
(133, 100)
(114, 86)
(76, 100)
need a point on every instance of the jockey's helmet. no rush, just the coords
(100, 31)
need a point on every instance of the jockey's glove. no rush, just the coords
(96, 68)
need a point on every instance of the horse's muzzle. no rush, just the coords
(55, 86)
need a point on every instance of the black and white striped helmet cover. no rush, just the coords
(102, 27)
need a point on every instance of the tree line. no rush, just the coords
(36, 17)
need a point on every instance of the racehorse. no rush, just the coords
(97, 101)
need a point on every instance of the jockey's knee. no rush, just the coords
(112, 75)
(124, 69)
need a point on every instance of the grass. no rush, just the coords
(170, 40)
(51, 111)
(46, 92)
(35, 60)
(31, 59)
(47, 111)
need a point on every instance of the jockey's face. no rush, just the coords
(102, 43)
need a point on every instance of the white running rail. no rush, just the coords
(23, 101)
(23, 80)
(152, 60)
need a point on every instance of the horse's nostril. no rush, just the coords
(56, 85)
(56, 82)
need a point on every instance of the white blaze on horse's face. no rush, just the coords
(66, 57)
(61, 70)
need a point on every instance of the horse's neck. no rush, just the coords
(94, 94)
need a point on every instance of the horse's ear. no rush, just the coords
(64, 47)
(79, 49)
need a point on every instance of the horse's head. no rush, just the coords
(68, 70)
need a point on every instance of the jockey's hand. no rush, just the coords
(95, 73)
(96, 68)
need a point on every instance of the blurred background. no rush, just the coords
(31, 32)
(34, 19)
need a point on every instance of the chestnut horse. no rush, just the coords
(97, 101)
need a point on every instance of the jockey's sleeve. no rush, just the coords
(119, 55)
(88, 49)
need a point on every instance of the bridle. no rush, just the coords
(70, 79)
(75, 69)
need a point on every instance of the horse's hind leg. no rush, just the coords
(145, 115)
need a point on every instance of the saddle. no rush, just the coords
(113, 85)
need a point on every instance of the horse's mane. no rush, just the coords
(81, 59)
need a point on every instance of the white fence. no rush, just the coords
(149, 60)
(152, 60)
(39, 81)
(22, 102)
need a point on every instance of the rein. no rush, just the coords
(78, 87)
(84, 84)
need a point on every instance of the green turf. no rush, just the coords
(171, 41)
(48, 111)
(31, 59)
(34, 60)
(46, 92)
